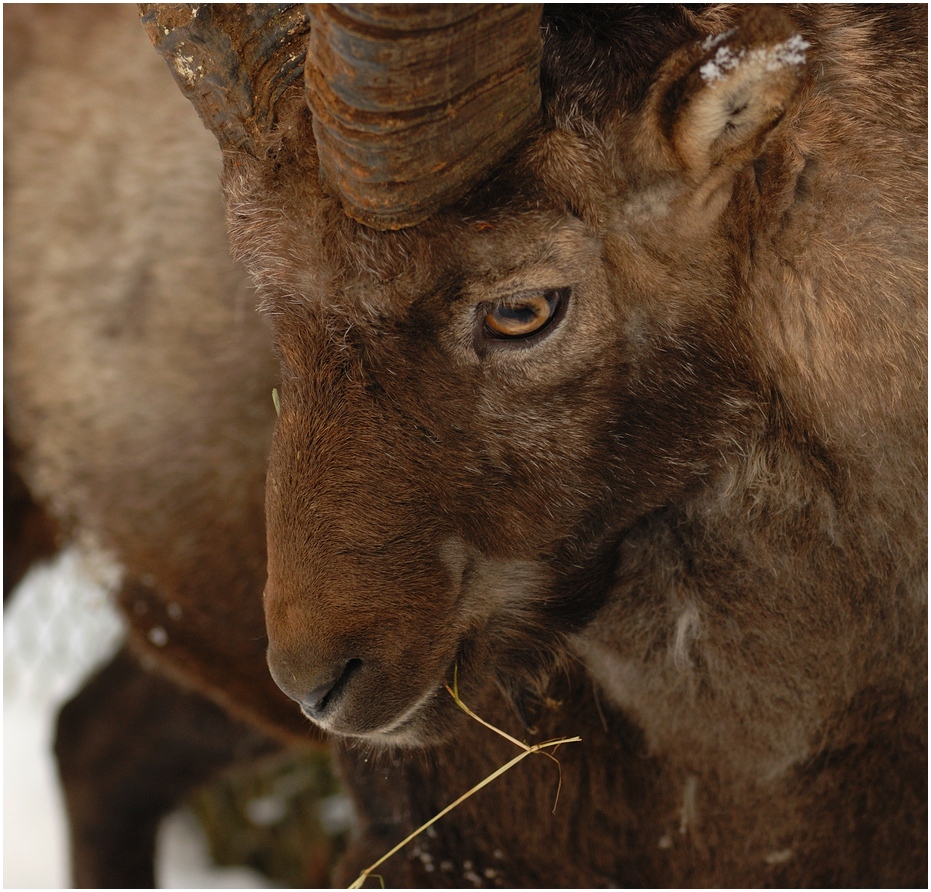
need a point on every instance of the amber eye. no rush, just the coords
(522, 315)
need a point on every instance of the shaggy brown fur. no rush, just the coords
(686, 520)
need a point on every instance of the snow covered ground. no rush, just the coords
(57, 627)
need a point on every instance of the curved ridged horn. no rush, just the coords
(414, 103)
(233, 61)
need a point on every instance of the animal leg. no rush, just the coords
(131, 745)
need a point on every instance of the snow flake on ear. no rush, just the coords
(713, 40)
(770, 58)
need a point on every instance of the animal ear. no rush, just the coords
(714, 104)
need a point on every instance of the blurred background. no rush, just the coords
(277, 824)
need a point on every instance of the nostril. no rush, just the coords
(316, 701)
(315, 698)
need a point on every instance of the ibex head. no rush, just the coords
(507, 328)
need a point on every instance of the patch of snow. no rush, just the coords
(185, 67)
(266, 811)
(35, 839)
(770, 58)
(158, 636)
(183, 861)
(712, 40)
(58, 626)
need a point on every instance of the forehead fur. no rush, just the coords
(297, 242)
(291, 231)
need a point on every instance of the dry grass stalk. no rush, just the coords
(526, 750)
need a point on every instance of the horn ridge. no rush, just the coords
(232, 61)
(413, 104)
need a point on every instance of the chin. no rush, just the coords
(432, 719)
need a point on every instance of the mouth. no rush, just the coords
(328, 703)
(426, 720)
(420, 717)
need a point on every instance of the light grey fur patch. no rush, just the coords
(488, 585)
(688, 815)
(688, 628)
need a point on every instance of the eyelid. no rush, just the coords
(485, 339)
(517, 297)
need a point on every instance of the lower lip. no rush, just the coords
(396, 731)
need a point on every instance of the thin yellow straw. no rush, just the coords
(526, 748)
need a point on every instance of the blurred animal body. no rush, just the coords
(625, 425)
